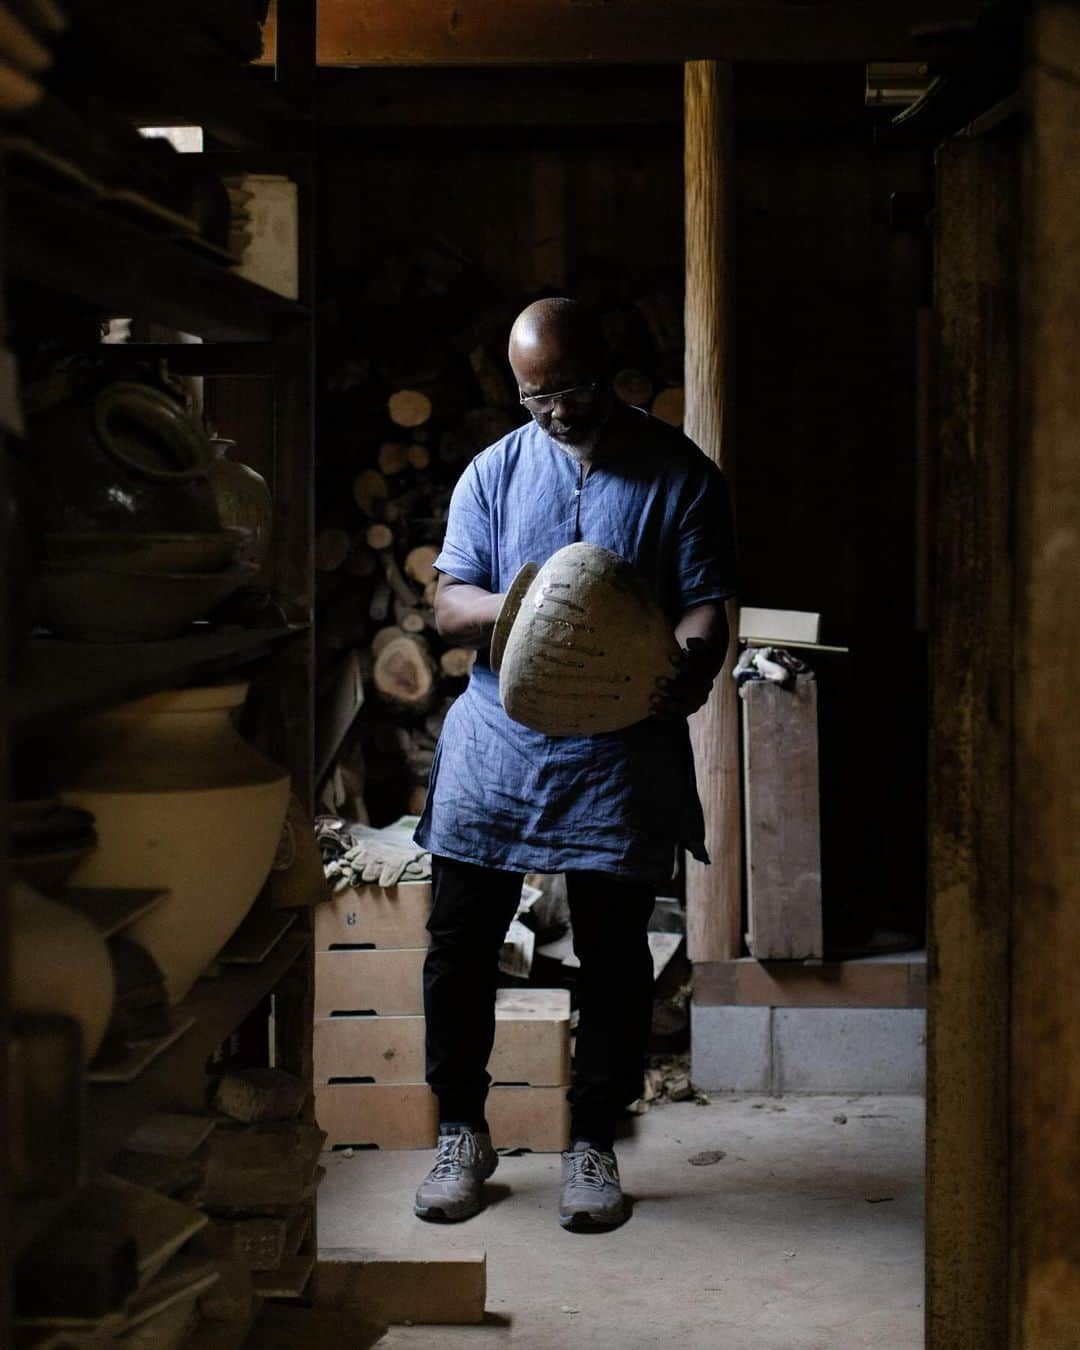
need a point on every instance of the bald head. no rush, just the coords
(556, 326)
(556, 347)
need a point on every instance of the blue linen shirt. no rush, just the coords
(504, 796)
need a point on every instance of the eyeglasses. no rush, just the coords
(578, 394)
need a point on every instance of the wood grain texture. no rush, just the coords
(967, 1147)
(492, 32)
(747, 983)
(713, 894)
(783, 820)
(1045, 1302)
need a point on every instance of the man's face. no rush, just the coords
(575, 416)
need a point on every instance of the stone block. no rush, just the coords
(849, 1050)
(730, 1048)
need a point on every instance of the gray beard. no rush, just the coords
(580, 451)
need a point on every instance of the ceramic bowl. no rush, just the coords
(90, 605)
(117, 551)
(580, 648)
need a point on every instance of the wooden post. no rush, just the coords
(1045, 1082)
(977, 255)
(713, 894)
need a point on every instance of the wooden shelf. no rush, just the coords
(65, 243)
(58, 681)
(218, 1007)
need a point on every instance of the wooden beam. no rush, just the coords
(1045, 1083)
(977, 254)
(713, 894)
(559, 32)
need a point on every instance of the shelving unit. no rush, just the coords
(64, 242)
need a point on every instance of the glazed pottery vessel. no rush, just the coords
(579, 648)
(243, 500)
(122, 551)
(181, 802)
(88, 605)
(59, 964)
(126, 457)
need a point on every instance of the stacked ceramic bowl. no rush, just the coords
(132, 545)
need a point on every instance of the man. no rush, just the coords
(608, 810)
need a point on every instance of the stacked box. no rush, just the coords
(369, 1034)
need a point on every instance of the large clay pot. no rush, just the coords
(580, 644)
(243, 500)
(125, 457)
(180, 801)
(59, 964)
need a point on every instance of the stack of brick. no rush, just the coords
(369, 1033)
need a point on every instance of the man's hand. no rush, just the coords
(688, 687)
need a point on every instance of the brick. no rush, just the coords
(423, 1289)
(384, 981)
(394, 916)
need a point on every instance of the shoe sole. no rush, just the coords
(432, 1215)
(585, 1223)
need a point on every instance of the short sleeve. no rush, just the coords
(466, 550)
(705, 548)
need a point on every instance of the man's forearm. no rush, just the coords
(707, 622)
(465, 615)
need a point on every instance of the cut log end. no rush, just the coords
(369, 489)
(378, 537)
(409, 408)
(456, 661)
(419, 563)
(404, 672)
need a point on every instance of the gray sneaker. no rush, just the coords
(591, 1194)
(452, 1190)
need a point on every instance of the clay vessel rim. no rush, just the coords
(136, 539)
(55, 569)
(168, 418)
(199, 698)
(509, 612)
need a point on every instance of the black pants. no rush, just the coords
(471, 912)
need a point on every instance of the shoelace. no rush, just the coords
(589, 1169)
(455, 1150)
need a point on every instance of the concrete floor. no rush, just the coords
(807, 1235)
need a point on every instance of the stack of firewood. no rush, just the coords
(399, 431)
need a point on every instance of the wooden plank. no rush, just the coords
(385, 981)
(112, 909)
(713, 894)
(177, 1078)
(779, 625)
(972, 641)
(256, 937)
(363, 1115)
(70, 247)
(1045, 1082)
(420, 1289)
(532, 1043)
(831, 984)
(59, 681)
(493, 33)
(783, 819)
(173, 1134)
(536, 1118)
(377, 916)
